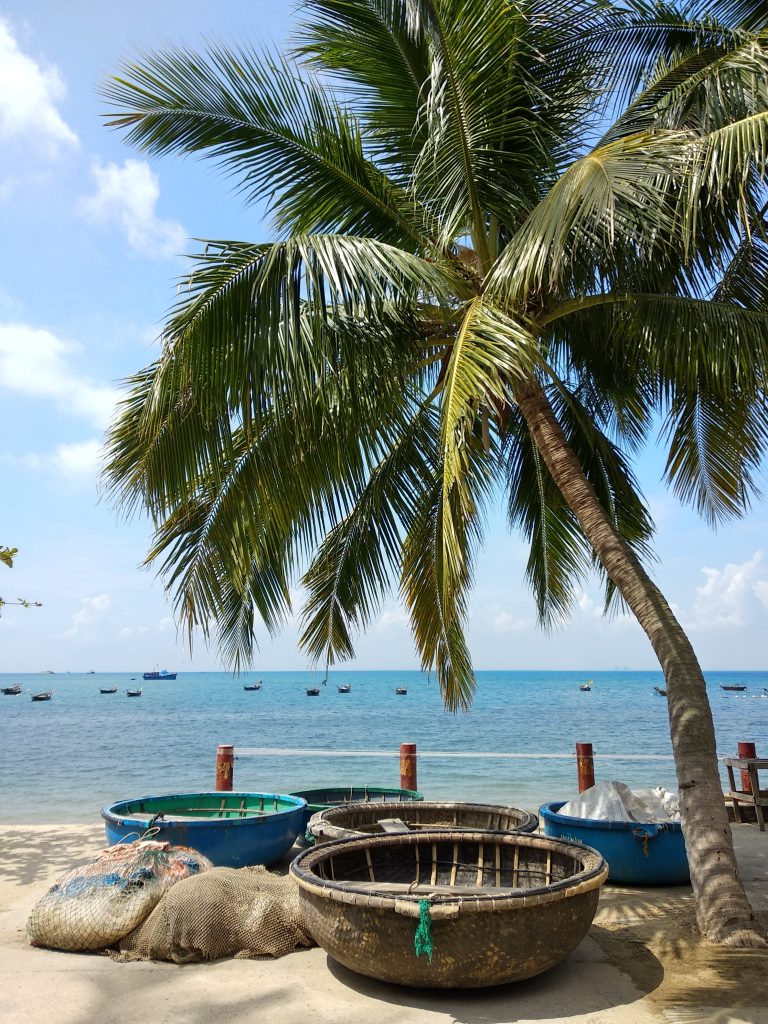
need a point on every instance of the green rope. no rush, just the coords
(422, 940)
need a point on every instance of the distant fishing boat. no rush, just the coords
(162, 674)
(91, 672)
(252, 686)
(346, 688)
(313, 691)
(401, 691)
(134, 693)
(661, 693)
(107, 689)
(43, 696)
(734, 687)
(12, 691)
(586, 687)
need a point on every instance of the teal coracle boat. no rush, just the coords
(231, 829)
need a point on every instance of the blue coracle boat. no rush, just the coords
(231, 829)
(637, 854)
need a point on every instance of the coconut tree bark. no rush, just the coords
(723, 911)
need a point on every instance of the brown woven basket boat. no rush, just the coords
(501, 906)
(353, 821)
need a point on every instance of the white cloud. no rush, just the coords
(589, 607)
(131, 632)
(127, 196)
(731, 596)
(77, 460)
(29, 93)
(392, 619)
(165, 625)
(503, 622)
(90, 609)
(761, 593)
(37, 363)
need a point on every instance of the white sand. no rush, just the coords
(590, 987)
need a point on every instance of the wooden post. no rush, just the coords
(585, 766)
(746, 750)
(225, 763)
(408, 766)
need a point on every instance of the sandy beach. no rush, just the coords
(641, 962)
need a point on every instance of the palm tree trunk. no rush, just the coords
(722, 909)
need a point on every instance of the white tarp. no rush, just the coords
(613, 801)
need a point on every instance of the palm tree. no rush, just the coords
(509, 236)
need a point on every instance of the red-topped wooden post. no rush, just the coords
(585, 766)
(408, 766)
(225, 763)
(746, 750)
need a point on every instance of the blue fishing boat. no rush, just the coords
(231, 829)
(162, 674)
(636, 853)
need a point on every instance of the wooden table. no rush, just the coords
(757, 798)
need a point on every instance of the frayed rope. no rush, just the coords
(422, 940)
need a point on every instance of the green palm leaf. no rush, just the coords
(353, 568)
(281, 136)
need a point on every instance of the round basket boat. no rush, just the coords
(231, 829)
(493, 906)
(336, 796)
(637, 854)
(355, 820)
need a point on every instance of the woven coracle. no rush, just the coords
(499, 906)
(356, 820)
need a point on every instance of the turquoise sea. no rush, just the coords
(62, 760)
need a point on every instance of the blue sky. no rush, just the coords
(91, 237)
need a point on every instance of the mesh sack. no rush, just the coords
(95, 905)
(241, 912)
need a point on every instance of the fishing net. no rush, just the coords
(241, 912)
(95, 905)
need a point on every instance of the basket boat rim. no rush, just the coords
(325, 819)
(311, 795)
(593, 873)
(114, 815)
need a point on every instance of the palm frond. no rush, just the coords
(559, 557)
(437, 622)
(352, 569)
(255, 321)
(283, 138)
(716, 447)
(703, 364)
(613, 197)
(750, 15)
(368, 47)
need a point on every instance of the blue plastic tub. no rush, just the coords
(636, 854)
(231, 829)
